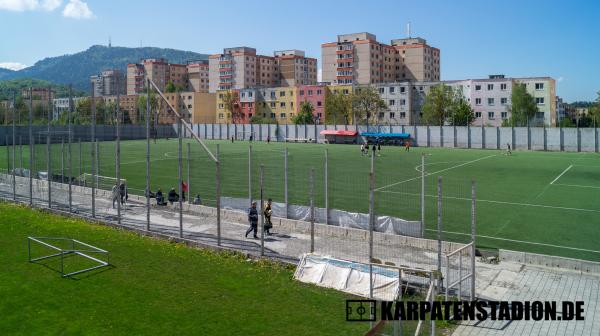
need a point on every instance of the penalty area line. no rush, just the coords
(561, 174)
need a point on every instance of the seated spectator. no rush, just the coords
(150, 194)
(197, 200)
(173, 196)
(160, 198)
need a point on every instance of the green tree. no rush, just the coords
(230, 103)
(441, 102)
(594, 111)
(170, 87)
(462, 114)
(305, 115)
(337, 108)
(366, 104)
(523, 107)
(566, 122)
(141, 106)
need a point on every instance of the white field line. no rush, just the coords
(519, 241)
(576, 185)
(561, 174)
(499, 202)
(436, 172)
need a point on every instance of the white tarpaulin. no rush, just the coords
(384, 224)
(347, 276)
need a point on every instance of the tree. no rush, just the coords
(230, 103)
(441, 103)
(523, 107)
(566, 122)
(256, 119)
(305, 115)
(170, 87)
(462, 115)
(141, 106)
(367, 104)
(594, 111)
(337, 108)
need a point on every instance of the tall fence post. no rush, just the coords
(439, 224)
(92, 138)
(371, 220)
(262, 212)
(49, 151)
(21, 152)
(148, 155)
(30, 146)
(118, 154)
(62, 160)
(249, 174)
(422, 195)
(312, 210)
(14, 134)
(285, 182)
(180, 173)
(473, 249)
(326, 174)
(69, 141)
(80, 158)
(189, 160)
(218, 193)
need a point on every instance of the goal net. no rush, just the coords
(99, 181)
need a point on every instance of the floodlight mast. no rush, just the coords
(183, 122)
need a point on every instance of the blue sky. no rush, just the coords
(560, 39)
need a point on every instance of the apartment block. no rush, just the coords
(109, 83)
(295, 68)
(128, 107)
(543, 90)
(360, 59)
(197, 73)
(315, 95)
(240, 68)
(397, 97)
(224, 116)
(159, 70)
(62, 105)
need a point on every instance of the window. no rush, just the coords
(282, 104)
(477, 101)
(539, 115)
(477, 87)
(503, 87)
(402, 101)
(477, 114)
(221, 106)
(402, 89)
(319, 92)
(281, 93)
(402, 115)
(220, 115)
(503, 101)
(273, 115)
(282, 115)
(392, 102)
(310, 92)
(392, 115)
(504, 115)
(392, 89)
(491, 115)
(490, 87)
(381, 90)
(539, 100)
(189, 106)
(272, 104)
(302, 92)
(319, 103)
(490, 101)
(539, 86)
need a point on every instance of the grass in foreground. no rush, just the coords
(156, 287)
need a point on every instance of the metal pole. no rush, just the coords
(92, 137)
(447, 278)
(21, 151)
(312, 210)
(473, 249)
(118, 153)
(62, 160)
(262, 212)
(98, 172)
(326, 173)
(49, 153)
(218, 178)
(180, 174)
(371, 221)
(14, 129)
(70, 156)
(189, 160)
(148, 154)
(249, 174)
(30, 146)
(285, 182)
(439, 224)
(80, 157)
(422, 194)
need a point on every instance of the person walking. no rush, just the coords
(268, 212)
(508, 152)
(123, 192)
(184, 189)
(253, 220)
(406, 145)
(115, 195)
(173, 196)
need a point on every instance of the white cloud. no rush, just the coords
(560, 79)
(51, 5)
(19, 5)
(12, 65)
(77, 9)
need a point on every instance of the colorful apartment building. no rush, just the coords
(360, 59)
(109, 83)
(225, 116)
(197, 73)
(159, 70)
(128, 105)
(315, 95)
(240, 68)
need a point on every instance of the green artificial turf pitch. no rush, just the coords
(542, 202)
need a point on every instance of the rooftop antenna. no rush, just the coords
(109, 42)
(408, 29)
